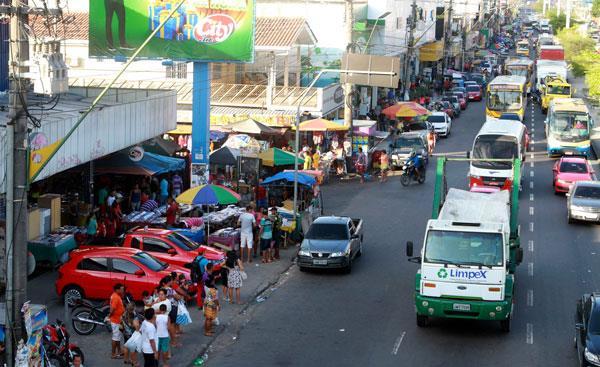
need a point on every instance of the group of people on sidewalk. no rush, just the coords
(260, 229)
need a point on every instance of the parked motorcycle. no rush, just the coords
(409, 173)
(86, 316)
(59, 349)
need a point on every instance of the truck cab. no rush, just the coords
(523, 48)
(554, 87)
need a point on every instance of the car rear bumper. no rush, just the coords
(478, 310)
(562, 187)
(331, 263)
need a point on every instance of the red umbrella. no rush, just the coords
(411, 108)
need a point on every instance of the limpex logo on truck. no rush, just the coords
(462, 274)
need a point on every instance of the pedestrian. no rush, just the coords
(77, 361)
(149, 205)
(197, 272)
(172, 211)
(110, 199)
(361, 165)
(135, 198)
(102, 195)
(149, 343)
(163, 324)
(257, 216)
(176, 185)
(316, 159)
(229, 263)
(117, 309)
(247, 221)
(133, 345)
(277, 221)
(308, 159)
(161, 299)
(234, 279)
(92, 226)
(384, 164)
(261, 195)
(430, 141)
(164, 191)
(154, 188)
(211, 308)
(266, 235)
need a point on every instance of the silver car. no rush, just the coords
(583, 201)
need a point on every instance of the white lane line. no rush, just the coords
(397, 343)
(532, 146)
(531, 184)
(529, 338)
(530, 298)
(531, 165)
(532, 156)
(530, 269)
(530, 245)
(532, 141)
(531, 210)
(532, 129)
(530, 226)
(531, 173)
(531, 197)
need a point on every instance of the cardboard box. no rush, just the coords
(33, 227)
(52, 202)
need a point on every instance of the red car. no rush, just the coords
(448, 108)
(474, 92)
(461, 99)
(92, 273)
(568, 170)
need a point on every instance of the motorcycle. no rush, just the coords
(86, 315)
(59, 349)
(409, 173)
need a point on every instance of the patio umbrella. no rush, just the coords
(303, 179)
(278, 157)
(407, 109)
(251, 126)
(321, 125)
(225, 156)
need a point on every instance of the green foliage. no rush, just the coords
(557, 22)
(592, 79)
(596, 8)
(579, 50)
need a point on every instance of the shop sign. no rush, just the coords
(136, 153)
(333, 98)
(199, 30)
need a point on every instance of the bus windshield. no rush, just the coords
(464, 248)
(569, 126)
(504, 100)
(518, 70)
(494, 147)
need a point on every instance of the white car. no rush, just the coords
(442, 123)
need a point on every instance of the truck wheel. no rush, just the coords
(422, 320)
(505, 325)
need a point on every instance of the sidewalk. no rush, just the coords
(581, 91)
(96, 347)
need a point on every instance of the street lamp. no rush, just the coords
(373, 29)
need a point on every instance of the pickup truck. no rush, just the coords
(331, 242)
(166, 245)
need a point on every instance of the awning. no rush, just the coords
(432, 51)
(182, 129)
(150, 164)
(225, 156)
(160, 146)
(278, 157)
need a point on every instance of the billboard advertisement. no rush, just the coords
(199, 30)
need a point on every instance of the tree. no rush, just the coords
(596, 8)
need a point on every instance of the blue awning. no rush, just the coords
(150, 164)
(288, 177)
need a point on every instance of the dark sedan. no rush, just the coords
(587, 330)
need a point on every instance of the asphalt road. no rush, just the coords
(367, 318)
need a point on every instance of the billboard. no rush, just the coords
(199, 30)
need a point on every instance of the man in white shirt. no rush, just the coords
(162, 331)
(247, 222)
(149, 337)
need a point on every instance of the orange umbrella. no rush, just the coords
(321, 125)
(405, 109)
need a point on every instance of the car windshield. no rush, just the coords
(150, 261)
(412, 143)
(504, 100)
(562, 90)
(594, 323)
(573, 167)
(472, 88)
(589, 192)
(182, 242)
(436, 118)
(494, 147)
(327, 231)
(449, 247)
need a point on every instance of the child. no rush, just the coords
(162, 331)
(211, 308)
(133, 345)
(147, 299)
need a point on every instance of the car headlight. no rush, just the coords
(304, 252)
(577, 208)
(340, 253)
(590, 357)
(563, 182)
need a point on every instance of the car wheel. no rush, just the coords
(348, 268)
(72, 294)
(505, 325)
(360, 252)
(422, 321)
(570, 219)
(302, 268)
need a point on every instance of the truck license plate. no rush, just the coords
(320, 262)
(461, 307)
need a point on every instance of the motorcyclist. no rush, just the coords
(417, 161)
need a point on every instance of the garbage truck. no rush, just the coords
(469, 254)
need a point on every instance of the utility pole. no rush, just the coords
(568, 20)
(544, 3)
(447, 38)
(16, 237)
(349, 8)
(557, 8)
(410, 50)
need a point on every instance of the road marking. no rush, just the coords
(532, 129)
(531, 197)
(530, 269)
(397, 343)
(531, 210)
(531, 184)
(530, 298)
(532, 141)
(531, 165)
(529, 339)
(530, 245)
(532, 156)
(530, 226)
(532, 146)
(531, 173)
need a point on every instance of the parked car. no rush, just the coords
(568, 170)
(583, 201)
(441, 123)
(587, 330)
(448, 108)
(331, 242)
(404, 144)
(455, 103)
(478, 78)
(462, 99)
(474, 92)
(92, 273)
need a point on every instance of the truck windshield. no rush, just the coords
(569, 126)
(504, 100)
(494, 147)
(182, 242)
(150, 261)
(327, 231)
(464, 248)
(518, 70)
(559, 89)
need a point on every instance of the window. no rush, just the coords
(93, 264)
(398, 23)
(124, 266)
(156, 245)
(135, 243)
(216, 72)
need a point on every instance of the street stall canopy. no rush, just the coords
(225, 156)
(248, 146)
(250, 126)
(208, 195)
(278, 157)
(160, 146)
(405, 109)
(125, 163)
(288, 177)
(321, 125)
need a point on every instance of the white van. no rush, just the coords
(499, 139)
